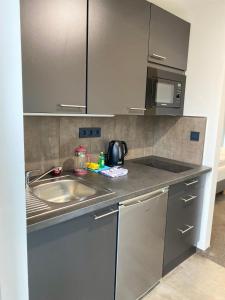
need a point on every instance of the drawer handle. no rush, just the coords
(72, 106)
(191, 183)
(97, 217)
(188, 199)
(157, 56)
(186, 230)
(137, 108)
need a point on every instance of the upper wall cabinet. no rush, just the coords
(54, 55)
(169, 39)
(118, 48)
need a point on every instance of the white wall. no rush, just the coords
(204, 92)
(13, 253)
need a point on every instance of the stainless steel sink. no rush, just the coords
(64, 189)
(50, 197)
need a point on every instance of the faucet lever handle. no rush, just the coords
(28, 174)
(32, 171)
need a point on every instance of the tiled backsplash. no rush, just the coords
(172, 138)
(50, 140)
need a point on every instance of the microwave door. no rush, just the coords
(165, 93)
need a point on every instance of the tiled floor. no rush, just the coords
(217, 250)
(198, 278)
(201, 277)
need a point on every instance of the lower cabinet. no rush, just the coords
(182, 228)
(74, 260)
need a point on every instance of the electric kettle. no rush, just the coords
(116, 152)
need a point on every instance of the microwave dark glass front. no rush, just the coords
(165, 89)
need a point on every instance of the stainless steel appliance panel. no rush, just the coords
(140, 244)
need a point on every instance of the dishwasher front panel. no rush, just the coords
(140, 245)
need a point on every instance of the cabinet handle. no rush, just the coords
(160, 57)
(146, 197)
(72, 106)
(137, 108)
(189, 199)
(131, 203)
(191, 183)
(96, 217)
(186, 230)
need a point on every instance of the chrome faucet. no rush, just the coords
(28, 176)
(29, 173)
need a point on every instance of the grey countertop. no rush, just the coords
(140, 179)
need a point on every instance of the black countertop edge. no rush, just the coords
(115, 199)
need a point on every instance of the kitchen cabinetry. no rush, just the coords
(183, 214)
(169, 39)
(55, 59)
(117, 56)
(75, 259)
(54, 55)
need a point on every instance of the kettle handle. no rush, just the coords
(125, 148)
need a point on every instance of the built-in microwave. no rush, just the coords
(165, 92)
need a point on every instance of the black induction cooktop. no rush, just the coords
(163, 164)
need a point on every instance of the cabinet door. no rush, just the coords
(54, 55)
(169, 39)
(117, 56)
(74, 260)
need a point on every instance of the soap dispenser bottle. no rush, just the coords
(101, 160)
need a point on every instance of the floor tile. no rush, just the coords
(197, 278)
(216, 252)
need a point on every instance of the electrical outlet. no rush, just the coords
(90, 132)
(97, 132)
(195, 136)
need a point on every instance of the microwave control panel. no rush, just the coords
(178, 92)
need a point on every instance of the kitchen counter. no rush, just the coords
(140, 179)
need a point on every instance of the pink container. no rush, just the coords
(80, 160)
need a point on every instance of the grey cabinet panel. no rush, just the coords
(169, 39)
(54, 55)
(180, 217)
(117, 56)
(74, 260)
(184, 205)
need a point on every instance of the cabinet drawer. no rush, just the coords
(181, 217)
(178, 240)
(182, 207)
(186, 186)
